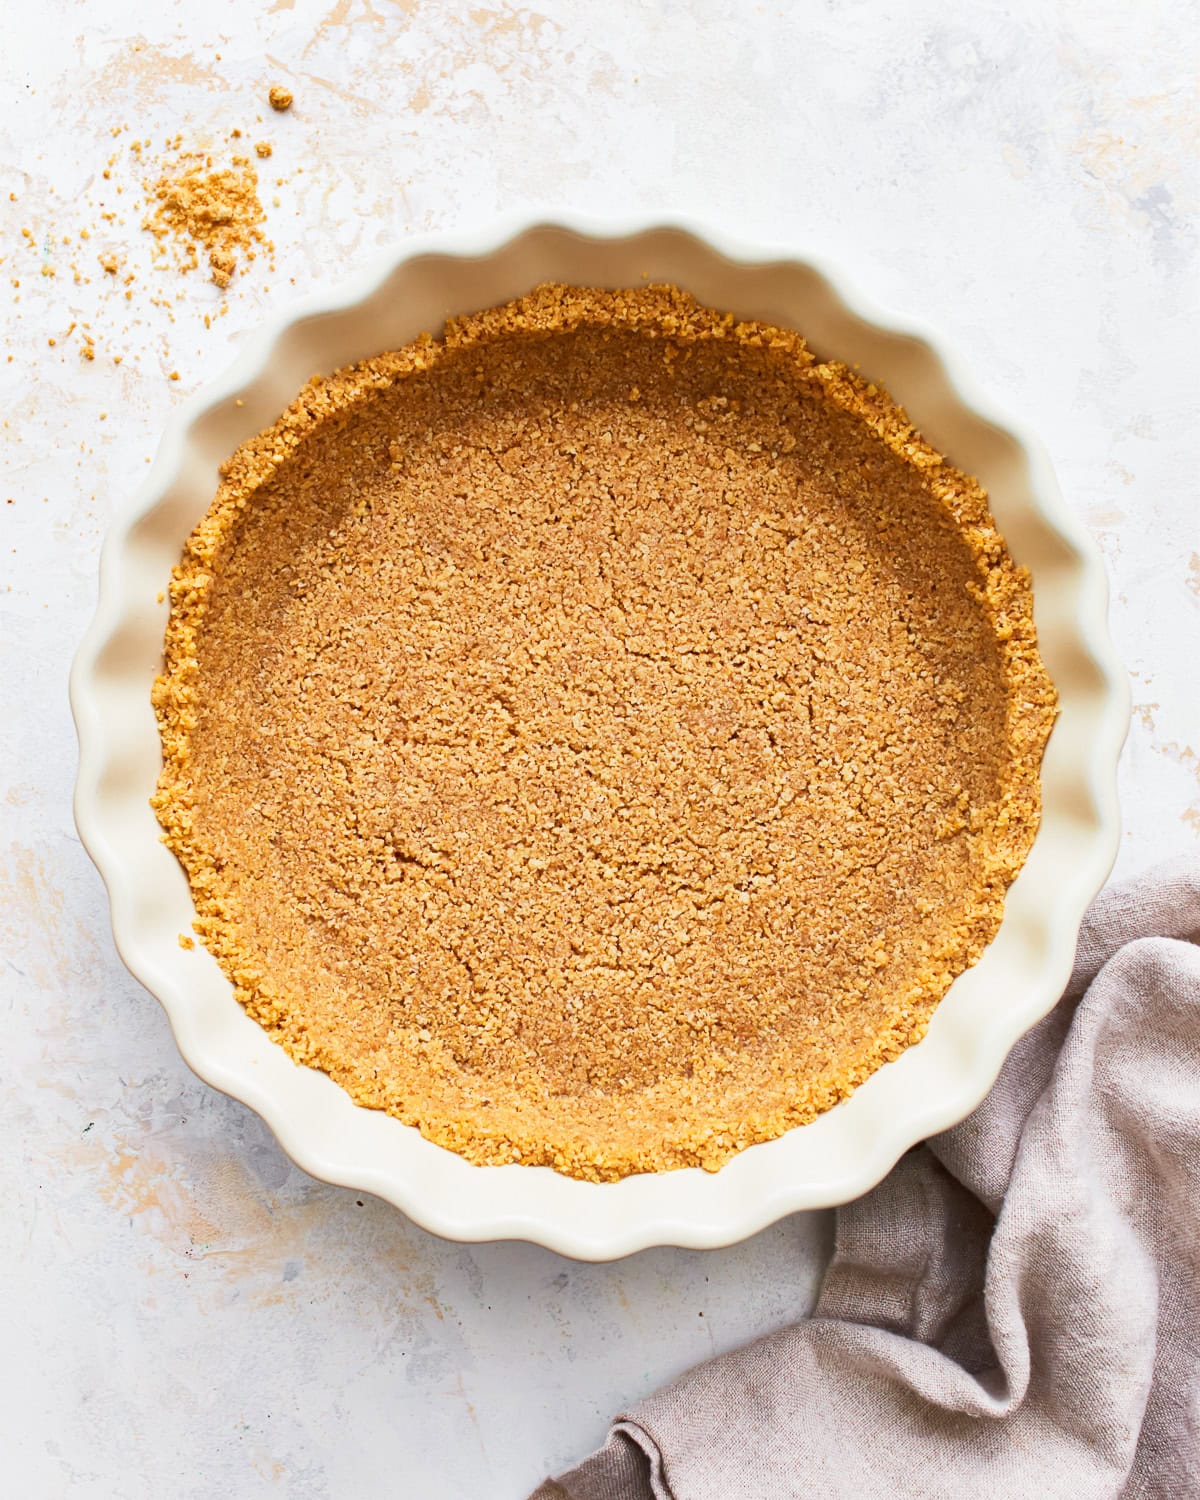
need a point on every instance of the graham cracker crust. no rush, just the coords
(598, 736)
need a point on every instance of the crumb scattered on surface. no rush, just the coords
(279, 98)
(223, 264)
(205, 208)
(263, 148)
(600, 736)
(186, 942)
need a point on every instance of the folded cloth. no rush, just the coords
(1015, 1310)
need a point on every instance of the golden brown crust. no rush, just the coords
(601, 735)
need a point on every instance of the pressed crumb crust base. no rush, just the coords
(598, 737)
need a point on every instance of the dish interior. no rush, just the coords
(598, 737)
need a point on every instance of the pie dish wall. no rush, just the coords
(848, 1149)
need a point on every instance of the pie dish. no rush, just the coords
(928, 827)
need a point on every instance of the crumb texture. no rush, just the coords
(201, 207)
(598, 736)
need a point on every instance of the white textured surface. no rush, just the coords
(183, 1312)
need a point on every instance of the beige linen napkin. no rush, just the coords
(1015, 1311)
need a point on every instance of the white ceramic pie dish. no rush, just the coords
(847, 1150)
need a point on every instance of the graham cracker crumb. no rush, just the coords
(600, 735)
(263, 148)
(279, 98)
(214, 209)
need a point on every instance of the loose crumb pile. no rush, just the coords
(209, 209)
(599, 736)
